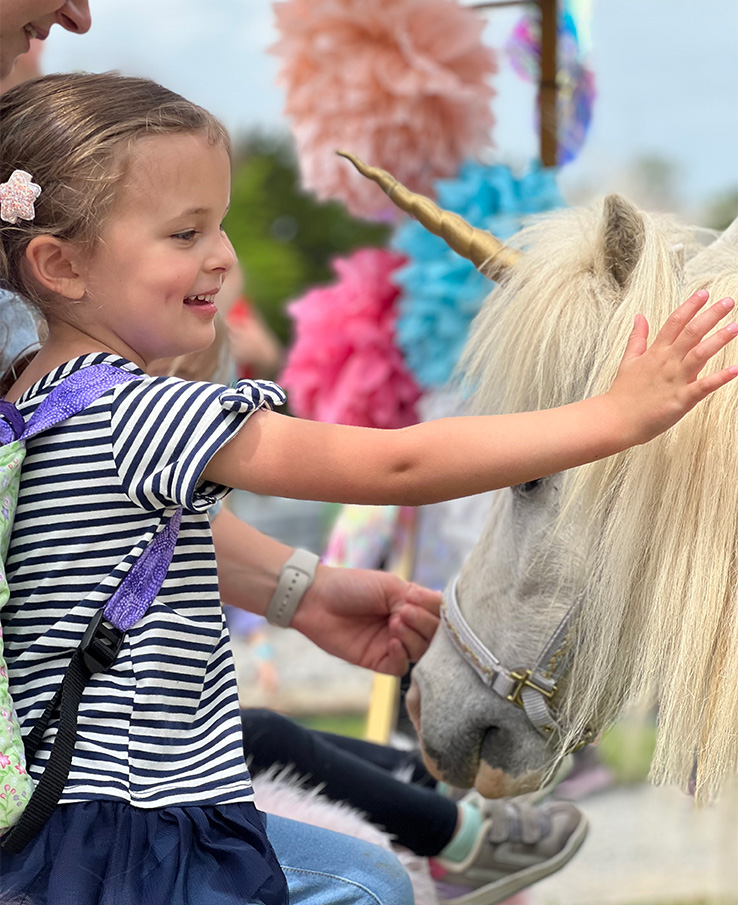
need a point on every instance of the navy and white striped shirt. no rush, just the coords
(161, 727)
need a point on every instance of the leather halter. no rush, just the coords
(531, 689)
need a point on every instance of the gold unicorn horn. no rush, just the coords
(485, 251)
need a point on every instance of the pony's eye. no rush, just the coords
(528, 486)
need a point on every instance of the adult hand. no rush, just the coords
(370, 618)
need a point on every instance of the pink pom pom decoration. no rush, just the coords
(403, 84)
(344, 365)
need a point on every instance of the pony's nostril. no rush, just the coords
(490, 744)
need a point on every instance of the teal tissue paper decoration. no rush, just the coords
(442, 292)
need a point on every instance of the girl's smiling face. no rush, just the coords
(151, 281)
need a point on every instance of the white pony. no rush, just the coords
(641, 549)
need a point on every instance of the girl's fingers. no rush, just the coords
(678, 319)
(698, 357)
(700, 325)
(706, 385)
(638, 339)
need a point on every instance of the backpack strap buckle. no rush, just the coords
(100, 644)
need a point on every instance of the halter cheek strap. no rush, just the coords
(532, 689)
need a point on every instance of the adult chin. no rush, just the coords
(12, 45)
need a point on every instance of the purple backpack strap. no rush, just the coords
(144, 580)
(74, 394)
(68, 398)
(71, 396)
(101, 642)
(12, 424)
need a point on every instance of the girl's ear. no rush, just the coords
(53, 264)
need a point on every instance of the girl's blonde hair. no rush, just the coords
(73, 132)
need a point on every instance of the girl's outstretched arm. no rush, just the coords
(453, 457)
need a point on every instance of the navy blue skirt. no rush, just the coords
(109, 853)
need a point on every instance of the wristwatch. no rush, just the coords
(295, 577)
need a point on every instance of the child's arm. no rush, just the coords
(454, 457)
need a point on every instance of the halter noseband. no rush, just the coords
(530, 689)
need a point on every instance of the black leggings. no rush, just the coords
(359, 773)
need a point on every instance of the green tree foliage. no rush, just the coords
(722, 209)
(284, 238)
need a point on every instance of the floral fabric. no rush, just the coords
(16, 785)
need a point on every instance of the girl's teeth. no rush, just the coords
(30, 30)
(200, 298)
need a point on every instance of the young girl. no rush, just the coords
(124, 253)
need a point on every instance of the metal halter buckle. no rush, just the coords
(524, 678)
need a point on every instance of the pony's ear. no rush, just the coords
(727, 238)
(623, 237)
(720, 254)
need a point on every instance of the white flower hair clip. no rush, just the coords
(17, 196)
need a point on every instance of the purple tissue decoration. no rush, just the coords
(576, 82)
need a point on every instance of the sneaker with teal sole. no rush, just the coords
(517, 845)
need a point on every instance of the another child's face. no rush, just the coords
(150, 284)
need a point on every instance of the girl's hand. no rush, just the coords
(656, 386)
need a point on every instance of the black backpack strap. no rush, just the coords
(49, 788)
(97, 652)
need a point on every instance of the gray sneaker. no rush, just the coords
(518, 844)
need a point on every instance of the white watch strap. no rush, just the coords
(295, 578)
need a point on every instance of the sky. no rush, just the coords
(666, 71)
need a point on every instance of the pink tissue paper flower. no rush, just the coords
(344, 365)
(404, 84)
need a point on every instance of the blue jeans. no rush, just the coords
(326, 868)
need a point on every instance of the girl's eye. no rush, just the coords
(188, 235)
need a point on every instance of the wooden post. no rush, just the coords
(384, 703)
(548, 89)
(547, 86)
(385, 697)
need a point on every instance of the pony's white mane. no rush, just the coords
(657, 526)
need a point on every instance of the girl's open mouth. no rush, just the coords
(198, 300)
